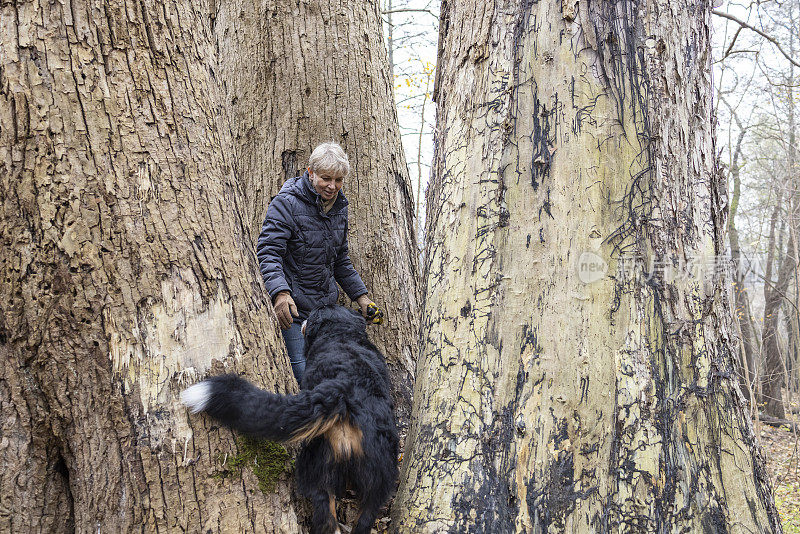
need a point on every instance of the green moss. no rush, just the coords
(267, 460)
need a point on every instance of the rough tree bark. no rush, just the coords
(298, 74)
(126, 271)
(573, 134)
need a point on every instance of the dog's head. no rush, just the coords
(333, 319)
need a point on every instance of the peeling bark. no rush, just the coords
(299, 74)
(549, 397)
(126, 272)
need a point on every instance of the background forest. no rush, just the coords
(756, 50)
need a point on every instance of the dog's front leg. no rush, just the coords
(323, 519)
(369, 512)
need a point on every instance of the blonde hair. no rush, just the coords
(329, 158)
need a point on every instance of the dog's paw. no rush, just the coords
(196, 397)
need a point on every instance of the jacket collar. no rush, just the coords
(306, 191)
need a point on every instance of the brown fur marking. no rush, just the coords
(345, 440)
(314, 429)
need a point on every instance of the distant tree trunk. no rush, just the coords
(299, 74)
(790, 323)
(549, 397)
(742, 312)
(774, 292)
(126, 272)
(792, 357)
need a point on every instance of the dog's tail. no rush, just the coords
(240, 405)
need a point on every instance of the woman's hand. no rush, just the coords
(364, 302)
(285, 309)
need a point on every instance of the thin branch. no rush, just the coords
(409, 10)
(743, 24)
(733, 42)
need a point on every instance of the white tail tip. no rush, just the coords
(196, 396)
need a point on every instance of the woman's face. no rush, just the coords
(326, 185)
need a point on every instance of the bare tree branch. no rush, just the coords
(733, 42)
(743, 24)
(409, 10)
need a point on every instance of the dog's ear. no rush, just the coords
(348, 318)
(357, 319)
(315, 320)
(311, 325)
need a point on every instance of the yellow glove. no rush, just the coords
(374, 314)
(370, 310)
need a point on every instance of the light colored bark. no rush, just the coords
(126, 272)
(390, 44)
(299, 74)
(570, 134)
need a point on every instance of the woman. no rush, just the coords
(302, 249)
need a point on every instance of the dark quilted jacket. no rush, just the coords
(303, 250)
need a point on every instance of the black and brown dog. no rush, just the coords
(343, 415)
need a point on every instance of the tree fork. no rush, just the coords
(299, 74)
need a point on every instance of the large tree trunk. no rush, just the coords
(551, 398)
(126, 272)
(298, 74)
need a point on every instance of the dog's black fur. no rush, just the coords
(344, 415)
